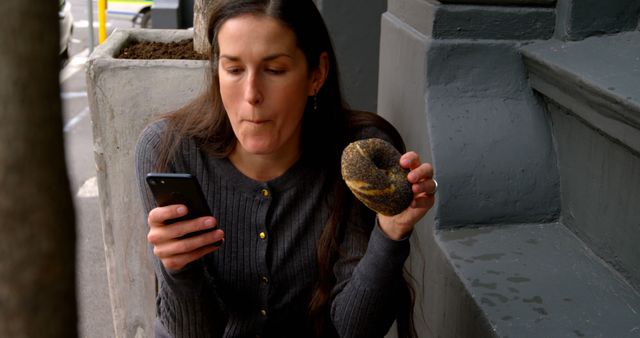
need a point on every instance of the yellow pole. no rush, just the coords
(102, 18)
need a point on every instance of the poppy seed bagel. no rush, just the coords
(371, 169)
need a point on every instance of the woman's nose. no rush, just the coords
(252, 92)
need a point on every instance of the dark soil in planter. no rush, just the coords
(159, 50)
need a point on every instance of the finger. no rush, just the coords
(424, 201)
(186, 245)
(420, 173)
(424, 186)
(169, 232)
(158, 216)
(178, 262)
(410, 160)
(183, 228)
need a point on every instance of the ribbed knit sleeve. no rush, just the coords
(367, 294)
(369, 276)
(187, 305)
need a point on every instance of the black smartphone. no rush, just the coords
(179, 188)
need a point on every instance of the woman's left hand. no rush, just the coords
(423, 187)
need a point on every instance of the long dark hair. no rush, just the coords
(205, 120)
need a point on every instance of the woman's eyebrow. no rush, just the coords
(229, 57)
(266, 58)
(275, 56)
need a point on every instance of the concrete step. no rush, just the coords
(593, 101)
(596, 78)
(540, 280)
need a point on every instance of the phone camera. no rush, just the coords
(153, 182)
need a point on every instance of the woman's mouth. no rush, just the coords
(257, 122)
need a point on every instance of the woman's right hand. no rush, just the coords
(176, 252)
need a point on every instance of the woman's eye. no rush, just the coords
(233, 70)
(275, 71)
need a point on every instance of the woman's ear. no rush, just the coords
(319, 75)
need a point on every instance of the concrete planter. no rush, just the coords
(125, 95)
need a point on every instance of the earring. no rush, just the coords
(315, 102)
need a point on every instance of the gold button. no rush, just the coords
(264, 279)
(263, 312)
(264, 192)
(262, 235)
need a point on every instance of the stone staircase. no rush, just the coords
(531, 116)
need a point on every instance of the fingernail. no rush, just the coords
(411, 177)
(208, 222)
(182, 210)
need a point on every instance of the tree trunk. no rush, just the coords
(37, 249)
(201, 11)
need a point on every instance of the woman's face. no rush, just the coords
(264, 84)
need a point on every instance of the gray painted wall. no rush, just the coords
(578, 19)
(490, 137)
(461, 100)
(600, 191)
(354, 26)
(466, 103)
(501, 2)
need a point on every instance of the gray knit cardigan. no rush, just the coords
(259, 283)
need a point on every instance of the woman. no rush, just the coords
(300, 256)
